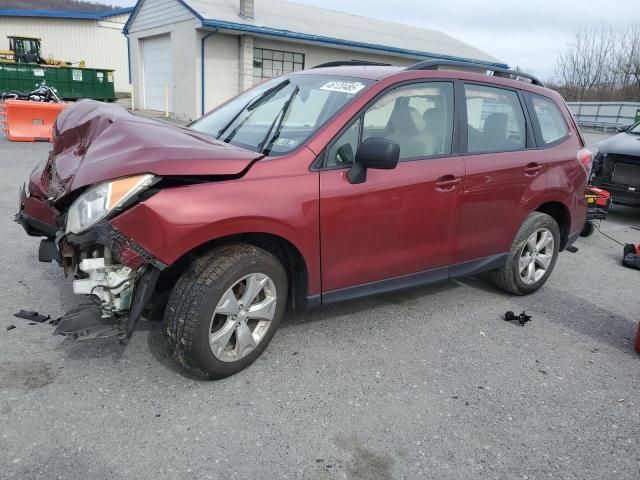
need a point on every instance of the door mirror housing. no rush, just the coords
(378, 153)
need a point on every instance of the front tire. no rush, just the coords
(224, 310)
(532, 256)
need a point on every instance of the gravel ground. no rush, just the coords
(428, 382)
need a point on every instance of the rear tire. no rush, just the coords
(532, 256)
(211, 331)
(588, 229)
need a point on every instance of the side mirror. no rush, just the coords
(379, 153)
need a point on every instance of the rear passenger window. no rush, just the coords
(550, 119)
(495, 120)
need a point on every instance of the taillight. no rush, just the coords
(585, 157)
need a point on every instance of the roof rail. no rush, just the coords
(497, 71)
(353, 63)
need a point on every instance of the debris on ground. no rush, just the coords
(522, 318)
(31, 315)
(11, 327)
(631, 256)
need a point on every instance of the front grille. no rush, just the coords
(626, 174)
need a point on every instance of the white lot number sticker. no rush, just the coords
(343, 87)
(76, 75)
(38, 72)
(285, 142)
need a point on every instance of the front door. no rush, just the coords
(397, 228)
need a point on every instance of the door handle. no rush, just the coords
(447, 183)
(533, 168)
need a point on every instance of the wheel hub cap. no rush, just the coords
(536, 256)
(242, 317)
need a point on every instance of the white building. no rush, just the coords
(95, 38)
(179, 46)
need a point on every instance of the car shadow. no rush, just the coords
(407, 298)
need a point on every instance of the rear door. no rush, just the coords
(397, 228)
(503, 170)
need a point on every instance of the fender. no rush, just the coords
(178, 220)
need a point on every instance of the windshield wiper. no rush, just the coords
(267, 94)
(280, 119)
(253, 104)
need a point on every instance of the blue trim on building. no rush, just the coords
(14, 12)
(125, 30)
(274, 32)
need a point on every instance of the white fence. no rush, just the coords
(605, 115)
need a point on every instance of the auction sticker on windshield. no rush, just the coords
(343, 87)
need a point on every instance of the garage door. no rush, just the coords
(156, 61)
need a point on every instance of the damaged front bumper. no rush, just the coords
(114, 271)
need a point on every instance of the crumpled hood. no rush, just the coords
(95, 142)
(621, 144)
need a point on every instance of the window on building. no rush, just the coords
(495, 118)
(272, 63)
(552, 124)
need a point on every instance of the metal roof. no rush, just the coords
(282, 19)
(15, 12)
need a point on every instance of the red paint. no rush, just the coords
(638, 340)
(396, 223)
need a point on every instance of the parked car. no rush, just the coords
(315, 187)
(616, 166)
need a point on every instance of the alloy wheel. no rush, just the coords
(536, 256)
(242, 317)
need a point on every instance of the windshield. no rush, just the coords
(276, 117)
(635, 129)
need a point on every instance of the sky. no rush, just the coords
(525, 33)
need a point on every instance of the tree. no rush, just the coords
(600, 63)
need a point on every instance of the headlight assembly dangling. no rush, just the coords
(99, 201)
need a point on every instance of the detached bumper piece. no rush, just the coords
(92, 321)
(85, 322)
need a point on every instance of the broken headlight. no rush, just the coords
(102, 199)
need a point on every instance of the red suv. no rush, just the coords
(314, 187)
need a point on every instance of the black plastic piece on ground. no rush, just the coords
(86, 321)
(33, 316)
(11, 327)
(522, 318)
(572, 249)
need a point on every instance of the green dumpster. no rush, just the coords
(70, 82)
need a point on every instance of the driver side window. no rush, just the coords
(418, 117)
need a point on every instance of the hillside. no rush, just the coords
(74, 5)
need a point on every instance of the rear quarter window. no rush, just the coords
(550, 120)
